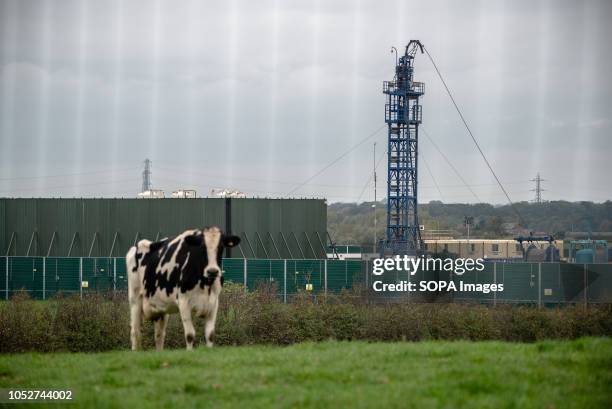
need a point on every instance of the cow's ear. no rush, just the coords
(231, 241)
(194, 240)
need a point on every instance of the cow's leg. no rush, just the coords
(185, 311)
(209, 326)
(136, 322)
(160, 331)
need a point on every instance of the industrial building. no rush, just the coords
(269, 228)
(494, 249)
(568, 250)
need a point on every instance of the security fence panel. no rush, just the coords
(121, 274)
(97, 275)
(379, 284)
(61, 276)
(26, 274)
(599, 281)
(277, 274)
(428, 287)
(355, 270)
(419, 276)
(551, 286)
(343, 274)
(265, 272)
(572, 282)
(469, 277)
(544, 284)
(234, 269)
(305, 275)
(487, 277)
(3, 277)
(469, 282)
(520, 282)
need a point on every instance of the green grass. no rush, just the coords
(551, 374)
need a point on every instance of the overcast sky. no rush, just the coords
(261, 95)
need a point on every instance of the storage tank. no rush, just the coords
(584, 256)
(552, 253)
(534, 254)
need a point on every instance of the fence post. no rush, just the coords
(44, 276)
(7, 277)
(585, 285)
(539, 285)
(114, 275)
(285, 282)
(345, 274)
(495, 282)
(367, 272)
(245, 274)
(367, 281)
(325, 280)
(81, 277)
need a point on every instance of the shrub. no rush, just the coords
(99, 323)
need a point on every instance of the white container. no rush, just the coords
(151, 194)
(184, 194)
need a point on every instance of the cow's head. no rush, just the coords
(213, 241)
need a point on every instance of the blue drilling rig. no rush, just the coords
(403, 116)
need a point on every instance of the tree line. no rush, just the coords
(353, 223)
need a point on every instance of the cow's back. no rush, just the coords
(165, 266)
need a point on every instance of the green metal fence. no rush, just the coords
(534, 283)
(527, 283)
(45, 277)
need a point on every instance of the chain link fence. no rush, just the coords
(528, 283)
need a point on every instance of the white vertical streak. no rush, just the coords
(582, 175)
(43, 101)
(542, 114)
(116, 93)
(155, 65)
(314, 93)
(273, 103)
(80, 153)
(233, 23)
(192, 83)
(355, 81)
(7, 96)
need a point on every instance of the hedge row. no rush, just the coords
(98, 323)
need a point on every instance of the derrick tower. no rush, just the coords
(403, 116)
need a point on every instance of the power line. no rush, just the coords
(450, 164)
(472, 135)
(106, 182)
(272, 181)
(332, 163)
(432, 176)
(189, 172)
(69, 174)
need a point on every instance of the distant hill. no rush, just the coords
(351, 223)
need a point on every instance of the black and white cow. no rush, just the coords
(181, 275)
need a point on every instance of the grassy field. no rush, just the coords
(551, 374)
